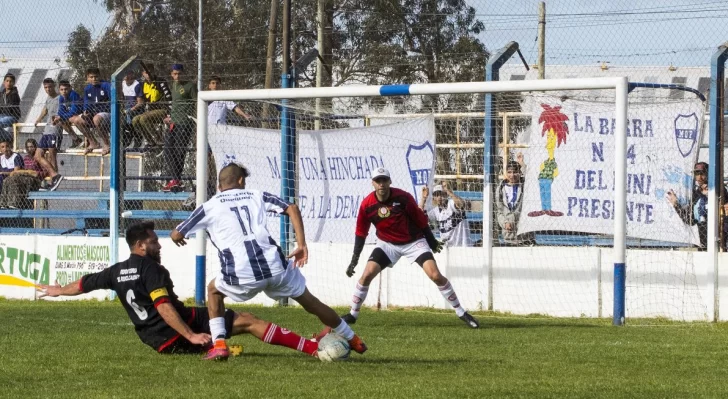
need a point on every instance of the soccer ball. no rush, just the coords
(333, 347)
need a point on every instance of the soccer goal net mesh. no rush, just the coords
(544, 246)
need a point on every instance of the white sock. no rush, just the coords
(217, 328)
(360, 294)
(344, 330)
(449, 294)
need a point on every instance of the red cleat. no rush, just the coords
(317, 337)
(357, 345)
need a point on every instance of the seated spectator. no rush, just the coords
(70, 104)
(96, 112)
(508, 202)
(696, 212)
(177, 141)
(19, 183)
(50, 142)
(9, 106)
(133, 106)
(448, 211)
(158, 98)
(9, 161)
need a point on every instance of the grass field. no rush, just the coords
(90, 350)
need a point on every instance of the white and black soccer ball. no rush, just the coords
(333, 347)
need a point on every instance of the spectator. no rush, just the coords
(70, 104)
(9, 106)
(96, 112)
(696, 212)
(9, 161)
(508, 203)
(133, 106)
(157, 97)
(448, 211)
(217, 110)
(52, 137)
(177, 141)
(16, 187)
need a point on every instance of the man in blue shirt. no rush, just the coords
(96, 112)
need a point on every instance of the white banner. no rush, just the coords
(334, 167)
(570, 168)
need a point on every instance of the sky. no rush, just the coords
(620, 32)
(39, 28)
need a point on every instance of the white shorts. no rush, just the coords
(394, 252)
(290, 283)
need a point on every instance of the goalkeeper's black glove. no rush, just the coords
(437, 246)
(350, 269)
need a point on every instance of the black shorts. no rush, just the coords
(199, 323)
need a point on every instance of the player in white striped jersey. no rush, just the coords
(250, 260)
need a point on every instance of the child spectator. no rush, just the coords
(9, 161)
(696, 212)
(96, 112)
(15, 189)
(9, 106)
(448, 211)
(508, 203)
(133, 106)
(50, 142)
(69, 105)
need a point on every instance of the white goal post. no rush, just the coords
(619, 85)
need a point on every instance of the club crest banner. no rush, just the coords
(569, 176)
(334, 168)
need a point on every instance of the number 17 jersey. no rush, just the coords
(236, 221)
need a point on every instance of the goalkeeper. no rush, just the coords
(402, 230)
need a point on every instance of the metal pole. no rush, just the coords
(286, 136)
(620, 202)
(201, 197)
(319, 63)
(490, 151)
(201, 178)
(542, 40)
(199, 48)
(115, 186)
(715, 171)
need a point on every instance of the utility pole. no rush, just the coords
(269, 56)
(286, 38)
(542, 40)
(319, 62)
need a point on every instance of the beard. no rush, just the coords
(156, 257)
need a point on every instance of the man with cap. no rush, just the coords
(448, 211)
(696, 213)
(402, 231)
(176, 142)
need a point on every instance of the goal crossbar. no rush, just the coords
(619, 84)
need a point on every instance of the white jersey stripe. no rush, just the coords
(236, 221)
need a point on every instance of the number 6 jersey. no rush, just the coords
(236, 222)
(141, 285)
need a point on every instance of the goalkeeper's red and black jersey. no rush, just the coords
(398, 220)
(141, 284)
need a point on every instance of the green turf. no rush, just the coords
(89, 350)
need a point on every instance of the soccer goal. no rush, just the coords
(591, 178)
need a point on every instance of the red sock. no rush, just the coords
(275, 335)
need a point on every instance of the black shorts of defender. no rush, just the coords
(200, 323)
(383, 260)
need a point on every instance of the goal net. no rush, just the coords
(527, 177)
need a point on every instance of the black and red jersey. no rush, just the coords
(398, 220)
(141, 284)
